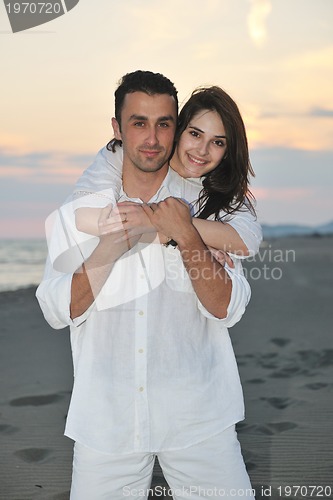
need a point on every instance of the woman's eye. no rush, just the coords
(220, 144)
(193, 133)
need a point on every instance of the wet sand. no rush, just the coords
(284, 350)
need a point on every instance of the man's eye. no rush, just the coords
(138, 124)
(164, 125)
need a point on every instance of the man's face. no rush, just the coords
(148, 124)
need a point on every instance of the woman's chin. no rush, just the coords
(187, 172)
(193, 174)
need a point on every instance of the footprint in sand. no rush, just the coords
(8, 429)
(287, 372)
(33, 455)
(241, 426)
(243, 359)
(316, 359)
(274, 428)
(256, 381)
(250, 459)
(269, 361)
(62, 496)
(280, 342)
(315, 386)
(327, 357)
(36, 400)
(278, 403)
(250, 466)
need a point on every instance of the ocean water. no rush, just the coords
(21, 263)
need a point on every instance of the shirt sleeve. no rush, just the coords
(67, 249)
(100, 183)
(240, 296)
(248, 228)
(54, 297)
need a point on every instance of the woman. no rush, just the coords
(210, 148)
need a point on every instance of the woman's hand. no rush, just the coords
(222, 257)
(126, 216)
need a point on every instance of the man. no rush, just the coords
(154, 368)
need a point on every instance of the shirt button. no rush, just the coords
(141, 313)
(141, 389)
(140, 351)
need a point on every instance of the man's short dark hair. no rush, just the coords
(140, 81)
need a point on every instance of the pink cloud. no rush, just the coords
(279, 194)
(22, 228)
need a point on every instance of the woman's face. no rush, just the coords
(201, 146)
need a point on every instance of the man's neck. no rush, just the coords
(143, 185)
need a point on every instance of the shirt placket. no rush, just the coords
(142, 424)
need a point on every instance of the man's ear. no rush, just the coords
(116, 129)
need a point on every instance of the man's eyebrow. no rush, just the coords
(145, 118)
(202, 132)
(138, 117)
(166, 118)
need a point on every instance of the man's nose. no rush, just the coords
(151, 138)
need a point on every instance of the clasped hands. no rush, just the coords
(169, 218)
(129, 219)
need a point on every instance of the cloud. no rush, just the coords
(318, 59)
(315, 112)
(282, 194)
(292, 169)
(321, 112)
(43, 167)
(304, 127)
(293, 185)
(256, 21)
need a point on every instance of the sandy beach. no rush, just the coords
(284, 350)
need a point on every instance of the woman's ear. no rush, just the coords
(116, 129)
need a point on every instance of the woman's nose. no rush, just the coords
(203, 148)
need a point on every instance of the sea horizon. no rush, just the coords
(22, 262)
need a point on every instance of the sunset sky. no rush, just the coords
(275, 57)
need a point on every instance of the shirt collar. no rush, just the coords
(171, 186)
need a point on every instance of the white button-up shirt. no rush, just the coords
(153, 369)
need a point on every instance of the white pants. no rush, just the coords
(211, 469)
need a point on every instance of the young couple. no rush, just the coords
(210, 149)
(155, 372)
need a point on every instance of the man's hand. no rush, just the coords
(209, 279)
(171, 217)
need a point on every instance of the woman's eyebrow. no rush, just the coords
(199, 130)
